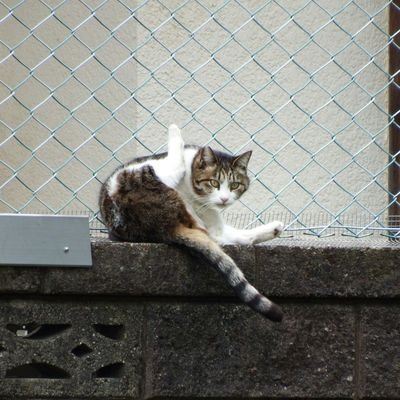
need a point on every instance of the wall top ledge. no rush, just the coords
(283, 268)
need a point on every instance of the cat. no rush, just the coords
(176, 198)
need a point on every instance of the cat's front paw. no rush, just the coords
(277, 228)
(267, 232)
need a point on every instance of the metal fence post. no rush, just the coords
(394, 111)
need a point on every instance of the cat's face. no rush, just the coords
(218, 178)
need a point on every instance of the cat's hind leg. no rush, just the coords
(171, 169)
(175, 161)
(175, 141)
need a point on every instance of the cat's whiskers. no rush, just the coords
(205, 206)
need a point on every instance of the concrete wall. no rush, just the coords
(302, 84)
(151, 321)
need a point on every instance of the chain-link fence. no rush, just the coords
(86, 85)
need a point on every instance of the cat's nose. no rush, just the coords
(224, 199)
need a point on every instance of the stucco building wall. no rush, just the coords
(302, 84)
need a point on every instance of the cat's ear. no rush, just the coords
(207, 157)
(243, 160)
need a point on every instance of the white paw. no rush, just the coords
(267, 232)
(175, 141)
(276, 228)
(174, 132)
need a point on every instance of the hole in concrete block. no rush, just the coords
(36, 331)
(37, 371)
(2, 348)
(115, 370)
(81, 350)
(115, 332)
(23, 330)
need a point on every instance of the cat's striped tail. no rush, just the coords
(199, 240)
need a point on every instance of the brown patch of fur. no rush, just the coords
(143, 209)
(199, 237)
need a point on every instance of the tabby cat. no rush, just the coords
(176, 197)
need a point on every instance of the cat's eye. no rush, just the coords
(234, 185)
(214, 183)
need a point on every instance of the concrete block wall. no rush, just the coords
(153, 321)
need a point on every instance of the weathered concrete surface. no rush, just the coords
(68, 340)
(309, 355)
(380, 351)
(153, 321)
(297, 271)
(283, 270)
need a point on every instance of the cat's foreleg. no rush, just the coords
(231, 235)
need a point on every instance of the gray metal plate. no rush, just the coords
(44, 240)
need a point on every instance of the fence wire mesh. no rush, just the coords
(88, 84)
